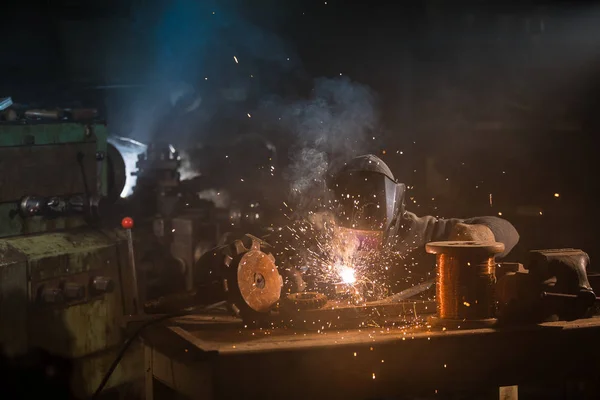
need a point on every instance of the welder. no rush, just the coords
(369, 203)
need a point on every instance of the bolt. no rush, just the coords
(73, 291)
(102, 284)
(259, 280)
(51, 295)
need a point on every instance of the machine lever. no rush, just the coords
(127, 224)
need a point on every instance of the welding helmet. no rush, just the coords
(367, 194)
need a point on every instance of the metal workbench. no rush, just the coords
(217, 357)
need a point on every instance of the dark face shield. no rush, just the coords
(367, 200)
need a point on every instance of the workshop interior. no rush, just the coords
(232, 199)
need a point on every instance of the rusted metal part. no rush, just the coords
(366, 363)
(251, 281)
(465, 279)
(304, 301)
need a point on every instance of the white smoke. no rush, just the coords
(187, 170)
(220, 198)
(332, 126)
(309, 165)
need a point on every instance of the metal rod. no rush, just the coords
(563, 295)
(136, 301)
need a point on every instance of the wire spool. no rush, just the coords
(466, 278)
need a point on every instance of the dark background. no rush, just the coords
(470, 98)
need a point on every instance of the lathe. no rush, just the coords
(70, 280)
(62, 272)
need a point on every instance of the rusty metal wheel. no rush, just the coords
(251, 280)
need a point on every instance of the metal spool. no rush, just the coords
(466, 278)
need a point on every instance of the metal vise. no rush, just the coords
(565, 290)
(553, 287)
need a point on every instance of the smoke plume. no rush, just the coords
(332, 126)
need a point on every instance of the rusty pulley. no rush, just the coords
(251, 280)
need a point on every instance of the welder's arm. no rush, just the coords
(502, 231)
(430, 229)
(472, 232)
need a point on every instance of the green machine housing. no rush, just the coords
(61, 275)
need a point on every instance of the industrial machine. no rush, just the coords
(174, 226)
(67, 281)
(63, 273)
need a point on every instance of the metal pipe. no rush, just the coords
(568, 296)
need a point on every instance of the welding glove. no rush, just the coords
(471, 232)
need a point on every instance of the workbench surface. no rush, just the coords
(226, 335)
(366, 362)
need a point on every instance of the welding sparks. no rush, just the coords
(347, 274)
(338, 256)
